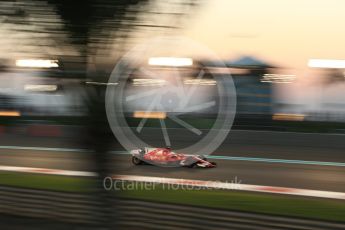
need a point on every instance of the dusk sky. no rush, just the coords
(284, 33)
(287, 33)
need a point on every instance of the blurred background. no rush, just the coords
(287, 69)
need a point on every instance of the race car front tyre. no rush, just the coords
(136, 161)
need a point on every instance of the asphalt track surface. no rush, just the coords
(258, 144)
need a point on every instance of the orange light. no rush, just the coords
(288, 117)
(10, 113)
(153, 115)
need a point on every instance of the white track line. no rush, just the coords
(233, 185)
(231, 158)
(46, 171)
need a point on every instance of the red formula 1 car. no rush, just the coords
(165, 157)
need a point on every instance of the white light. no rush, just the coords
(148, 82)
(278, 78)
(199, 82)
(41, 88)
(100, 83)
(170, 61)
(37, 63)
(326, 63)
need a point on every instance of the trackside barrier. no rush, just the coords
(78, 208)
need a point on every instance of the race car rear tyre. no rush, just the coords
(136, 161)
(193, 165)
